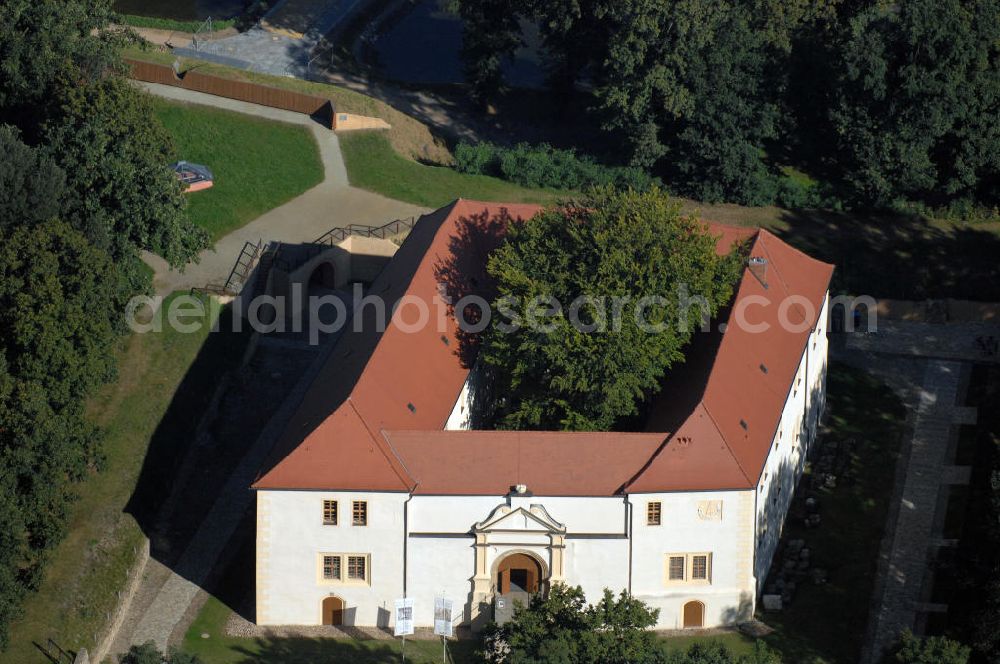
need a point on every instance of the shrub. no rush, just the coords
(148, 653)
(932, 650)
(545, 166)
(476, 158)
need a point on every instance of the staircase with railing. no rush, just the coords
(287, 257)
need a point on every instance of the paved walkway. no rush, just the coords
(329, 204)
(925, 364)
(908, 561)
(284, 41)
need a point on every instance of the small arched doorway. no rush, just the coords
(694, 614)
(333, 611)
(518, 572)
(324, 276)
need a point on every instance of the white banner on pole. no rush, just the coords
(404, 617)
(442, 616)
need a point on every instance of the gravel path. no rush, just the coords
(329, 204)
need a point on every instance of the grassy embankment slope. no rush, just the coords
(165, 380)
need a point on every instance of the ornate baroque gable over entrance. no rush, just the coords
(516, 533)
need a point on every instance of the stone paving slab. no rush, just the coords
(965, 415)
(956, 475)
(912, 534)
(931, 340)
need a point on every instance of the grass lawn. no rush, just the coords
(258, 164)
(164, 382)
(408, 136)
(221, 649)
(825, 624)
(737, 643)
(373, 164)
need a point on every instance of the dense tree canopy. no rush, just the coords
(123, 194)
(932, 650)
(31, 185)
(578, 261)
(884, 101)
(43, 42)
(917, 101)
(59, 310)
(84, 185)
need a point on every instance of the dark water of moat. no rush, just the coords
(425, 45)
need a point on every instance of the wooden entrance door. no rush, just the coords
(333, 611)
(518, 572)
(694, 614)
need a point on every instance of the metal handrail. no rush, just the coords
(253, 251)
(341, 233)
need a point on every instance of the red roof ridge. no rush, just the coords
(793, 247)
(729, 448)
(384, 435)
(381, 444)
(528, 432)
(771, 264)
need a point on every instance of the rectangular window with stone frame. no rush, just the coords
(689, 568)
(329, 512)
(654, 512)
(359, 513)
(345, 568)
(331, 568)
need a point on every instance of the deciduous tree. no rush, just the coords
(613, 247)
(122, 192)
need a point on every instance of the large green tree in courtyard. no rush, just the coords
(619, 274)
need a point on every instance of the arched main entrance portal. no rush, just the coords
(518, 572)
(694, 614)
(333, 611)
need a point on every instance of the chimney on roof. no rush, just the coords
(758, 268)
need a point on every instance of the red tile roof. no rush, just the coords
(373, 418)
(551, 463)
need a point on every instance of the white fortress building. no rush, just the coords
(379, 488)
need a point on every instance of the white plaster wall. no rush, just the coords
(457, 514)
(682, 531)
(450, 514)
(290, 538)
(790, 447)
(597, 563)
(461, 411)
(440, 567)
(581, 514)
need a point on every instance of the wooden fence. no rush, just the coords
(320, 108)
